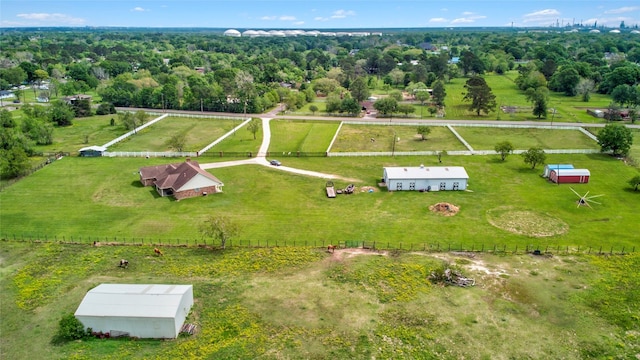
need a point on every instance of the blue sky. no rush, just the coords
(318, 14)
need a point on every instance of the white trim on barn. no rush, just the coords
(425, 178)
(141, 310)
(549, 167)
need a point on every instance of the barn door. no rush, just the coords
(443, 186)
(412, 186)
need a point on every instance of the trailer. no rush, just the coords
(331, 190)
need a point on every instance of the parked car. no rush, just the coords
(275, 163)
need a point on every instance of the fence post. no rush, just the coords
(516, 250)
(622, 251)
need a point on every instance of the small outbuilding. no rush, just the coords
(570, 176)
(92, 151)
(136, 310)
(423, 178)
(549, 167)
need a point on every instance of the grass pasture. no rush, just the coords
(484, 138)
(108, 202)
(303, 136)
(199, 132)
(568, 108)
(282, 303)
(357, 138)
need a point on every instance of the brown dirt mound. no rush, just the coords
(444, 208)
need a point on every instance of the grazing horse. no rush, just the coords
(158, 252)
(124, 263)
(331, 248)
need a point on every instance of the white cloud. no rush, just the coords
(51, 19)
(268, 18)
(139, 9)
(468, 19)
(461, 21)
(287, 18)
(340, 14)
(545, 12)
(444, 9)
(438, 20)
(466, 13)
(541, 16)
(320, 18)
(298, 23)
(623, 10)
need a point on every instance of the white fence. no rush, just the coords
(455, 152)
(148, 154)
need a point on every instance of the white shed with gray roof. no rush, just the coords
(137, 310)
(423, 178)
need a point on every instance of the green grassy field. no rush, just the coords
(357, 138)
(568, 109)
(102, 198)
(303, 136)
(481, 138)
(292, 303)
(199, 132)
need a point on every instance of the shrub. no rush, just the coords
(70, 328)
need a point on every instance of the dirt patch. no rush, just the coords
(526, 222)
(444, 208)
(367, 189)
(341, 254)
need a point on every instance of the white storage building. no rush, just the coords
(423, 178)
(137, 310)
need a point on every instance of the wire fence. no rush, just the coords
(536, 249)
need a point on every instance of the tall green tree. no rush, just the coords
(534, 156)
(254, 127)
(359, 89)
(616, 138)
(424, 130)
(439, 93)
(386, 106)
(565, 80)
(504, 148)
(538, 97)
(61, 114)
(480, 94)
(219, 228)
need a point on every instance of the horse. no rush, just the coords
(332, 248)
(124, 263)
(158, 252)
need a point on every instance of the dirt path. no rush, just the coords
(261, 159)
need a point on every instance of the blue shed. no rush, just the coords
(549, 167)
(92, 151)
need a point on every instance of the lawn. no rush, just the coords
(358, 138)
(482, 138)
(94, 130)
(568, 108)
(303, 136)
(199, 132)
(294, 303)
(101, 198)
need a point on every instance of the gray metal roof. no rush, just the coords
(422, 172)
(133, 300)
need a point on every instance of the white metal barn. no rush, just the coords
(140, 310)
(423, 178)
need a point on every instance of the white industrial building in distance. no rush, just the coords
(136, 310)
(421, 178)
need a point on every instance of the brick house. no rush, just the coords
(183, 180)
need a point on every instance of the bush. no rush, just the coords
(105, 109)
(70, 328)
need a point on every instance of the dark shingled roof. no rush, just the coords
(174, 176)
